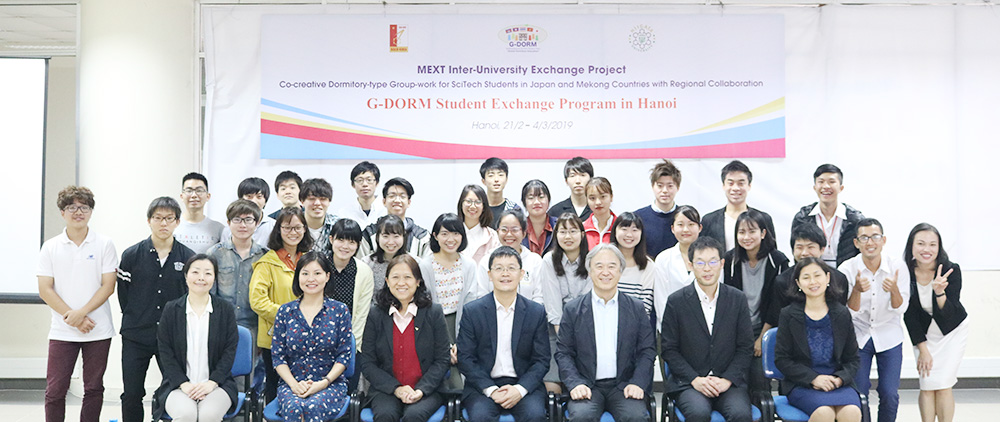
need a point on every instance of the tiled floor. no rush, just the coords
(972, 405)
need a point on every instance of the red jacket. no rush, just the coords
(593, 236)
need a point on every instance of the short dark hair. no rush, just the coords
(397, 181)
(689, 212)
(390, 224)
(665, 168)
(274, 241)
(365, 167)
(629, 219)
(199, 257)
(833, 290)
(346, 229)
(317, 187)
(75, 193)
(942, 258)
(195, 176)
(286, 176)
(867, 222)
(493, 163)
(518, 215)
(534, 187)
(810, 232)
(502, 252)
(485, 217)
(753, 218)
(736, 166)
(452, 223)
(704, 243)
(252, 185)
(165, 203)
(306, 259)
(828, 168)
(579, 165)
(243, 206)
(571, 220)
(421, 297)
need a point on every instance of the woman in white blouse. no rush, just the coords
(672, 267)
(474, 211)
(197, 341)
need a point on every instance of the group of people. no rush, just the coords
(501, 302)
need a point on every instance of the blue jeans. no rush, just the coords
(889, 363)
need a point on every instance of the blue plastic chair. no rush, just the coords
(242, 367)
(779, 405)
(672, 413)
(270, 411)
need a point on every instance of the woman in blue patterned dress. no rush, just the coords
(816, 348)
(312, 346)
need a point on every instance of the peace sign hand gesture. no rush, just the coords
(941, 281)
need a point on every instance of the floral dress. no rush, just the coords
(310, 353)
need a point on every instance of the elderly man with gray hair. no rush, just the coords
(606, 347)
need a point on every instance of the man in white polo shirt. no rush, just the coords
(76, 275)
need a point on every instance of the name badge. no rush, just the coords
(178, 266)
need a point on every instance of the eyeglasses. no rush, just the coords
(245, 220)
(72, 209)
(401, 196)
(865, 239)
(293, 229)
(472, 202)
(160, 220)
(194, 191)
(568, 233)
(501, 270)
(701, 264)
(360, 180)
(505, 230)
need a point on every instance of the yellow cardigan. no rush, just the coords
(270, 287)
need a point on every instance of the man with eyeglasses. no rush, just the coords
(503, 348)
(76, 275)
(606, 346)
(366, 208)
(236, 255)
(396, 196)
(150, 275)
(707, 341)
(255, 190)
(196, 230)
(879, 294)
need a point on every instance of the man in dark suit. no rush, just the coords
(807, 241)
(721, 223)
(707, 341)
(606, 346)
(503, 347)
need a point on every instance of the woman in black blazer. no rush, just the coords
(752, 266)
(816, 349)
(936, 321)
(404, 328)
(197, 341)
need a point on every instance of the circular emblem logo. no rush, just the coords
(642, 38)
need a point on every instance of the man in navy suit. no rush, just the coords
(503, 347)
(606, 346)
(707, 341)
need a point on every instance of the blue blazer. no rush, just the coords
(477, 344)
(576, 350)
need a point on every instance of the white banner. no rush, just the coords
(522, 86)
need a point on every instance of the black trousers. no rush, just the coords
(388, 408)
(270, 376)
(607, 397)
(135, 363)
(531, 408)
(733, 404)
